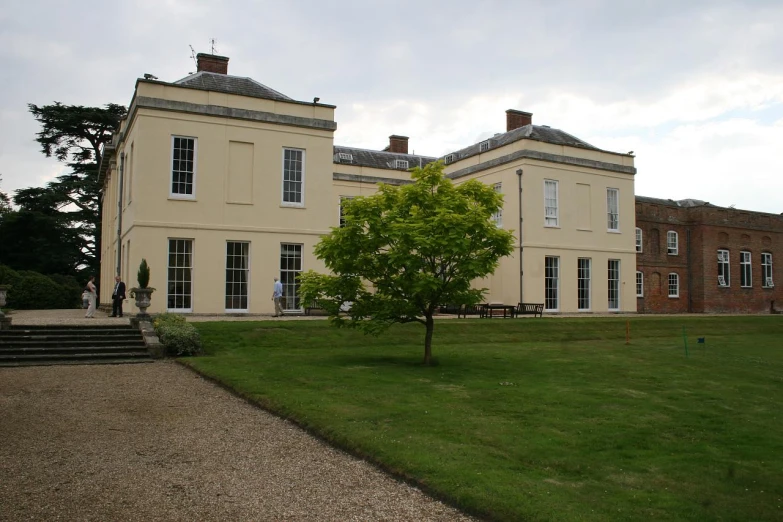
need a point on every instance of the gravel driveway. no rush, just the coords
(157, 442)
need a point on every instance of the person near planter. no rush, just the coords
(117, 297)
(277, 295)
(92, 296)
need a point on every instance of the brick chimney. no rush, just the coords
(398, 144)
(516, 119)
(212, 63)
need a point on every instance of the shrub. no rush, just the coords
(143, 276)
(31, 290)
(177, 335)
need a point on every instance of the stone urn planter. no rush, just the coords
(143, 297)
(5, 322)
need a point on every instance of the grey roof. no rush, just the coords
(378, 159)
(686, 203)
(208, 81)
(526, 132)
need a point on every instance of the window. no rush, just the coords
(129, 177)
(290, 267)
(766, 270)
(614, 284)
(674, 285)
(613, 209)
(293, 177)
(583, 283)
(497, 217)
(345, 157)
(450, 158)
(672, 243)
(639, 284)
(400, 164)
(237, 272)
(550, 203)
(745, 270)
(342, 219)
(180, 275)
(484, 146)
(551, 283)
(724, 277)
(639, 240)
(183, 167)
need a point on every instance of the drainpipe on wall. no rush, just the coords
(119, 215)
(521, 273)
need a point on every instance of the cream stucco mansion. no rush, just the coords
(222, 183)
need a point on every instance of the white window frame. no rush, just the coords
(497, 217)
(724, 279)
(639, 242)
(555, 267)
(484, 146)
(449, 159)
(283, 202)
(746, 279)
(401, 164)
(766, 270)
(345, 157)
(612, 218)
(169, 267)
(551, 213)
(609, 281)
(672, 243)
(584, 283)
(284, 279)
(177, 195)
(237, 270)
(674, 282)
(639, 284)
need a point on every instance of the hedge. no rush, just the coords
(34, 291)
(177, 335)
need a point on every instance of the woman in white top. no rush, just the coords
(92, 295)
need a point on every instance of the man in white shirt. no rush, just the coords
(277, 295)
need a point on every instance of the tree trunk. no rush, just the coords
(428, 340)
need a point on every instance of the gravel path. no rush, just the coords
(157, 442)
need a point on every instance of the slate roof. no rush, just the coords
(685, 203)
(208, 81)
(378, 159)
(528, 132)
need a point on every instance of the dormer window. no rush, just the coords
(400, 164)
(345, 157)
(484, 146)
(449, 159)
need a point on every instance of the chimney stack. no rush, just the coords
(516, 119)
(398, 144)
(212, 63)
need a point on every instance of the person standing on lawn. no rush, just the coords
(117, 297)
(277, 296)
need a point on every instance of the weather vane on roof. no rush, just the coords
(212, 43)
(193, 55)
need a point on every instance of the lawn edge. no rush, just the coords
(353, 452)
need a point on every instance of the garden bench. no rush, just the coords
(313, 305)
(533, 309)
(467, 310)
(492, 310)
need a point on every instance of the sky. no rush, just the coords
(694, 88)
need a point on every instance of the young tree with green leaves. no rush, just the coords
(407, 250)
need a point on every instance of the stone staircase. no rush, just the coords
(27, 345)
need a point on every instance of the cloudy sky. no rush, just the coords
(694, 88)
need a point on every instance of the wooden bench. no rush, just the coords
(492, 310)
(313, 305)
(530, 309)
(467, 310)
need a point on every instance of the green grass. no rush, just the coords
(531, 419)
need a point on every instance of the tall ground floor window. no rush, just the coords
(237, 275)
(180, 275)
(551, 283)
(766, 270)
(614, 284)
(583, 283)
(290, 267)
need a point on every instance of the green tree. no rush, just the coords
(5, 202)
(405, 251)
(76, 135)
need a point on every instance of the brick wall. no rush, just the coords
(704, 229)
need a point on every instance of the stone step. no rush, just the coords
(80, 358)
(73, 341)
(90, 332)
(66, 362)
(69, 327)
(70, 350)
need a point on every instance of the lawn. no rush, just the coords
(537, 419)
